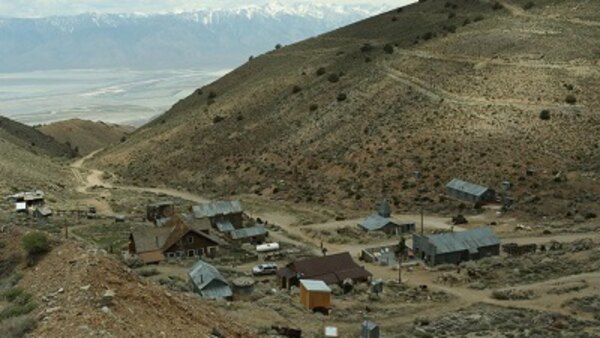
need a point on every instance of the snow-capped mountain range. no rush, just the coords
(199, 39)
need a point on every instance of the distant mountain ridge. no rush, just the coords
(219, 38)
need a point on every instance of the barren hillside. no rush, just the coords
(482, 90)
(86, 136)
(30, 159)
(32, 140)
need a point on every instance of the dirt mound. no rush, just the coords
(84, 292)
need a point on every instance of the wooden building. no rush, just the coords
(315, 295)
(456, 247)
(469, 192)
(225, 216)
(176, 240)
(332, 269)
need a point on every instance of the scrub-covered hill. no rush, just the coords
(482, 90)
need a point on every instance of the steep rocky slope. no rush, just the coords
(86, 136)
(83, 292)
(482, 90)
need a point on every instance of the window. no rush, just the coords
(179, 254)
(170, 254)
(191, 253)
(190, 239)
(201, 252)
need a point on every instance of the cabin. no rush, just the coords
(469, 192)
(381, 221)
(332, 269)
(456, 247)
(315, 295)
(42, 212)
(26, 201)
(176, 240)
(208, 282)
(224, 216)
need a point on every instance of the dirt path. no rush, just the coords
(438, 94)
(517, 10)
(423, 54)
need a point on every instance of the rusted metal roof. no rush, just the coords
(330, 269)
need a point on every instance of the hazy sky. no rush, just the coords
(38, 8)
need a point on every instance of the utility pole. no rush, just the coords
(400, 254)
(419, 178)
(422, 226)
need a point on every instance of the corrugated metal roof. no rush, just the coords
(224, 226)
(209, 281)
(375, 222)
(466, 187)
(315, 285)
(248, 232)
(217, 208)
(470, 240)
(161, 204)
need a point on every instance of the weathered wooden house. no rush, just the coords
(208, 282)
(333, 269)
(315, 295)
(469, 192)
(456, 247)
(225, 216)
(176, 240)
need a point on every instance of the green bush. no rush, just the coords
(17, 327)
(571, 99)
(313, 107)
(212, 95)
(497, 6)
(35, 243)
(342, 97)
(545, 114)
(427, 36)
(15, 310)
(528, 5)
(478, 18)
(296, 89)
(333, 78)
(321, 71)
(367, 47)
(388, 48)
(12, 294)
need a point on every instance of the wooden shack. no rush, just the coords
(315, 295)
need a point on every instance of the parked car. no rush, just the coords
(265, 269)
